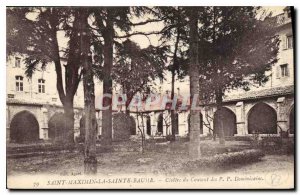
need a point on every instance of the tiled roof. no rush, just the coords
(26, 102)
(270, 92)
(34, 102)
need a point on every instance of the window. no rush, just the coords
(19, 83)
(284, 70)
(41, 85)
(289, 42)
(17, 62)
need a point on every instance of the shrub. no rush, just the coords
(289, 148)
(210, 150)
(273, 143)
(123, 126)
(79, 139)
(277, 145)
(170, 138)
(225, 160)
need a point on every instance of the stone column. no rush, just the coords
(7, 124)
(44, 124)
(154, 119)
(98, 116)
(240, 118)
(77, 118)
(282, 121)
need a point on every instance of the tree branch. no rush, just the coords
(77, 82)
(139, 33)
(145, 22)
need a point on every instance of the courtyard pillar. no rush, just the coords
(240, 118)
(7, 124)
(282, 121)
(44, 124)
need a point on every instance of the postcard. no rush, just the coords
(139, 97)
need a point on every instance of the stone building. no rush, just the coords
(34, 111)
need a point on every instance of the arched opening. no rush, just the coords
(24, 128)
(57, 126)
(262, 119)
(292, 121)
(148, 125)
(225, 119)
(133, 126)
(201, 123)
(160, 123)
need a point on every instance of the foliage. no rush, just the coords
(135, 69)
(277, 145)
(33, 32)
(211, 150)
(122, 126)
(221, 161)
(236, 48)
(175, 35)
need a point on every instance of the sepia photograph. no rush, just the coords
(150, 97)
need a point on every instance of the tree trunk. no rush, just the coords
(220, 129)
(67, 101)
(66, 95)
(174, 123)
(69, 122)
(107, 83)
(173, 117)
(127, 111)
(128, 100)
(194, 145)
(90, 161)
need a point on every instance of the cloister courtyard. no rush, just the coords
(159, 157)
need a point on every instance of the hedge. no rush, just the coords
(221, 161)
(123, 126)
